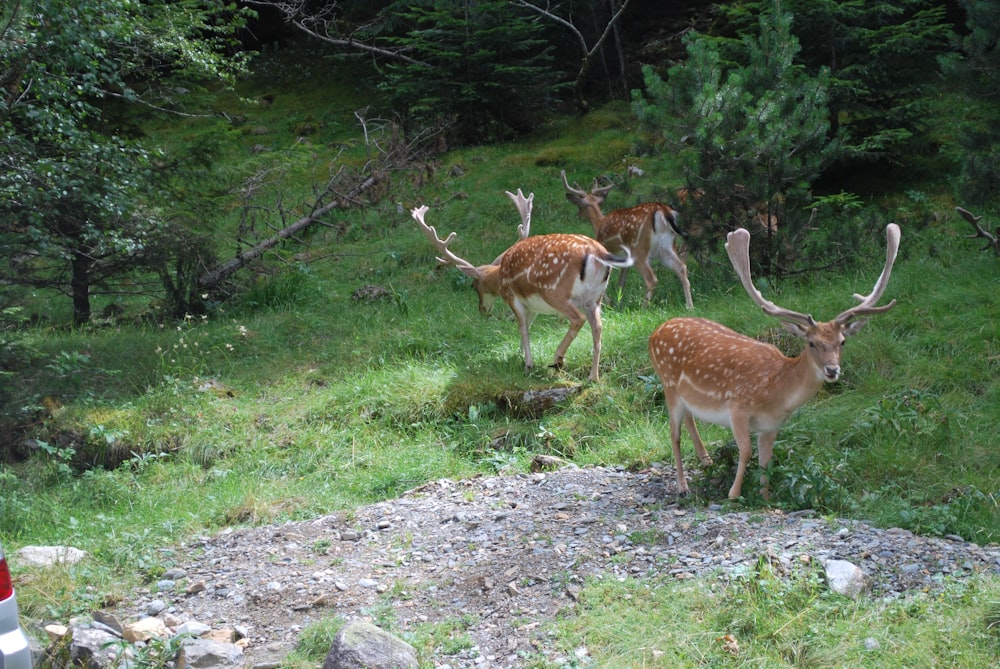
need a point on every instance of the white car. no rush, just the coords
(15, 653)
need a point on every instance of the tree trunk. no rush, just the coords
(80, 286)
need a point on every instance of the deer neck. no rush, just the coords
(596, 218)
(803, 378)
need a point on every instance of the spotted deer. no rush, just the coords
(561, 274)
(717, 375)
(647, 229)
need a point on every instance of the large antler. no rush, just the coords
(992, 241)
(441, 245)
(867, 305)
(599, 191)
(523, 205)
(738, 248)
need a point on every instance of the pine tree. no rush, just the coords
(750, 138)
(484, 68)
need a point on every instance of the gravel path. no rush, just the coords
(512, 551)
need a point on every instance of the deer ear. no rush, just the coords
(794, 329)
(854, 327)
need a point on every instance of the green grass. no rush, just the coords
(295, 400)
(767, 621)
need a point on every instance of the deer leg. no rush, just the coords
(699, 445)
(576, 321)
(677, 414)
(674, 262)
(524, 320)
(649, 277)
(596, 327)
(765, 448)
(741, 431)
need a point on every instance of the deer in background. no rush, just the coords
(648, 230)
(717, 375)
(560, 274)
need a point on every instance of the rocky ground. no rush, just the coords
(509, 552)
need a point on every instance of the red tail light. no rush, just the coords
(6, 587)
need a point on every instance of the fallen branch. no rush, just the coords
(211, 278)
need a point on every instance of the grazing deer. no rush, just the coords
(648, 230)
(557, 274)
(717, 375)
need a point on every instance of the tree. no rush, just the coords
(73, 178)
(878, 58)
(483, 68)
(748, 136)
(486, 65)
(978, 70)
(587, 52)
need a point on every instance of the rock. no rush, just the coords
(46, 556)
(156, 607)
(193, 628)
(145, 629)
(361, 645)
(534, 403)
(206, 653)
(94, 648)
(56, 632)
(845, 578)
(108, 620)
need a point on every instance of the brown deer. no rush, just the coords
(717, 375)
(648, 230)
(560, 274)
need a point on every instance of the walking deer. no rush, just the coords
(717, 375)
(647, 229)
(560, 274)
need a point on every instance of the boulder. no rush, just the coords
(361, 645)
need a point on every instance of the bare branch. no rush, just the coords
(587, 52)
(323, 25)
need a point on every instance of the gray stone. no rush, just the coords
(46, 556)
(361, 645)
(94, 648)
(205, 653)
(845, 578)
(193, 627)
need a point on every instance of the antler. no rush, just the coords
(523, 205)
(867, 305)
(738, 248)
(441, 245)
(599, 191)
(575, 188)
(991, 240)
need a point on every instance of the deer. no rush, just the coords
(715, 374)
(992, 241)
(647, 229)
(560, 274)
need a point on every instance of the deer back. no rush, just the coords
(564, 265)
(715, 360)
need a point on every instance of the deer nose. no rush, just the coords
(832, 372)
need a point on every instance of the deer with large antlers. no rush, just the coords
(559, 274)
(647, 229)
(717, 375)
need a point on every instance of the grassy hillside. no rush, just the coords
(300, 396)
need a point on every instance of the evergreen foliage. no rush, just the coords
(750, 138)
(878, 58)
(484, 69)
(978, 68)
